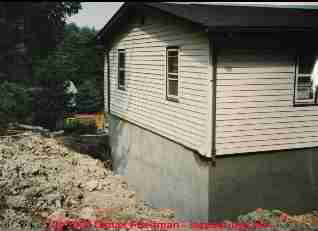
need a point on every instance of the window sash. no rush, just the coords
(172, 76)
(173, 93)
(297, 93)
(302, 84)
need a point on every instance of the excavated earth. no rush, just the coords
(43, 184)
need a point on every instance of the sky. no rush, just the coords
(97, 14)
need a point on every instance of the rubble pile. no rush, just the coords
(40, 179)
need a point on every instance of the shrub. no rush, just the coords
(15, 104)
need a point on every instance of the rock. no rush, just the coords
(91, 185)
(16, 201)
(58, 214)
(87, 213)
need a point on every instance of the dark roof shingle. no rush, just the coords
(241, 16)
(214, 17)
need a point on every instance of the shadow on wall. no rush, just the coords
(117, 151)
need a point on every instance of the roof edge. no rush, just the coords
(115, 17)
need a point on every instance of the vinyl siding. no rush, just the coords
(255, 109)
(144, 100)
(105, 83)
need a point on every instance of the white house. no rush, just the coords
(213, 109)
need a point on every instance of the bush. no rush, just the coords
(15, 104)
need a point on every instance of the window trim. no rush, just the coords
(301, 103)
(119, 69)
(169, 97)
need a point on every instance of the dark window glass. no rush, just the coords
(173, 87)
(173, 53)
(173, 64)
(304, 88)
(121, 69)
(121, 59)
(121, 80)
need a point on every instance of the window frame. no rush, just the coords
(121, 69)
(174, 98)
(297, 102)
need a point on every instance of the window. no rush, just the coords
(121, 69)
(172, 73)
(306, 79)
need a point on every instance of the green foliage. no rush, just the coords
(78, 60)
(89, 98)
(47, 34)
(55, 53)
(38, 26)
(15, 104)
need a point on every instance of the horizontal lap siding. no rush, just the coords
(105, 83)
(255, 109)
(144, 100)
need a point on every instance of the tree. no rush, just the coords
(30, 30)
(89, 98)
(51, 104)
(75, 59)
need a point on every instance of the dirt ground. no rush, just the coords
(44, 184)
(42, 180)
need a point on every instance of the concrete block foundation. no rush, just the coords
(168, 175)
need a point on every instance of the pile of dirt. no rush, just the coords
(44, 185)
(42, 180)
